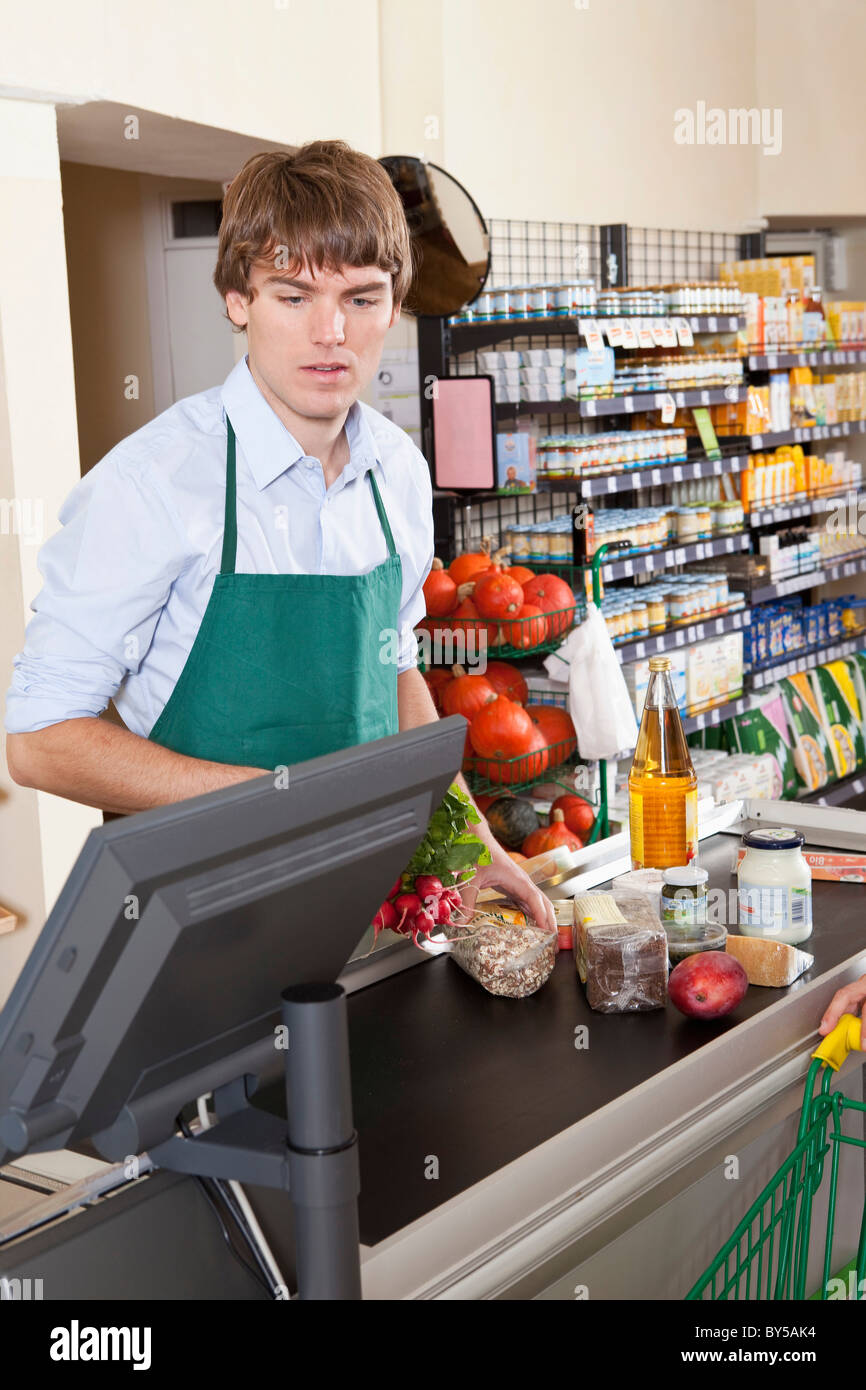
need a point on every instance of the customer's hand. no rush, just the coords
(847, 1000)
(510, 879)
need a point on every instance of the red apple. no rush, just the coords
(708, 985)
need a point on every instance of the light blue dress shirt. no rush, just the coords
(128, 577)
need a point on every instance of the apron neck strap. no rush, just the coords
(230, 523)
(383, 517)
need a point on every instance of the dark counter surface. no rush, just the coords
(450, 1080)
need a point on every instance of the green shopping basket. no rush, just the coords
(767, 1255)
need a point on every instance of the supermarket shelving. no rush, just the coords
(674, 555)
(810, 579)
(790, 511)
(820, 357)
(804, 434)
(469, 337)
(654, 400)
(841, 792)
(817, 655)
(605, 484)
(635, 649)
(715, 714)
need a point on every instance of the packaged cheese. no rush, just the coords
(770, 963)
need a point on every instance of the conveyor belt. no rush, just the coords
(443, 1071)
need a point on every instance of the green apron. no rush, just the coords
(286, 667)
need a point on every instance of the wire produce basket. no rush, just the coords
(767, 1255)
(452, 638)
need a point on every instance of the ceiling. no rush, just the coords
(94, 133)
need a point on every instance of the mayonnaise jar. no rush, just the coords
(775, 886)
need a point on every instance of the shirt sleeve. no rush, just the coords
(107, 575)
(420, 562)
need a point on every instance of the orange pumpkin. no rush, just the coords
(520, 573)
(465, 694)
(502, 729)
(470, 620)
(527, 629)
(579, 815)
(507, 680)
(556, 725)
(437, 678)
(550, 836)
(552, 596)
(497, 595)
(465, 567)
(528, 767)
(440, 591)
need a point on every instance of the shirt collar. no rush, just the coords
(268, 447)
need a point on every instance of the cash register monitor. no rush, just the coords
(158, 974)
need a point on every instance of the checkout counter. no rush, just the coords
(498, 1159)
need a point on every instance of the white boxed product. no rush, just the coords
(637, 675)
(732, 658)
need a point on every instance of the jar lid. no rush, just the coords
(686, 876)
(774, 837)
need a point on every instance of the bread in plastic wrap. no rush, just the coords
(621, 953)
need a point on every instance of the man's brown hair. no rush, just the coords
(327, 204)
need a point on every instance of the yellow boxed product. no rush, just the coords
(813, 756)
(732, 660)
(699, 677)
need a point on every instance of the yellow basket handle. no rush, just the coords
(844, 1038)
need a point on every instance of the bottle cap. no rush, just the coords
(774, 837)
(660, 663)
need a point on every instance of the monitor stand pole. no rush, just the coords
(314, 1158)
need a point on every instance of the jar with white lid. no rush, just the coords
(774, 885)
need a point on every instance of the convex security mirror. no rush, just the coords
(449, 235)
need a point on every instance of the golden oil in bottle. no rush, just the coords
(662, 786)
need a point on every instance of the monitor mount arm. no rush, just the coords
(314, 1157)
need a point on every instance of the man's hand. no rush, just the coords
(504, 874)
(848, 1000)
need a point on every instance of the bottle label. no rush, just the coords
(771, 911)
(635, 826)
(691, 826)
(685, 910)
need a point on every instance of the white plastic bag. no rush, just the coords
(598, 699)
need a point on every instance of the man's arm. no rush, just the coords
(101, 764)
(415, 707)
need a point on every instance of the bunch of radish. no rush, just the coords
(419, 909)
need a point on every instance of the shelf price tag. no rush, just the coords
(711, 324)
(772, 361)
(614, 330)
(684, 333)
(669, 408)
(656, 475)
(611, 483)
(668, 334)
(645, 334)
(656, 328)
(628, 404)
(629, 337)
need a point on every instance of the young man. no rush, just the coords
(226, 572)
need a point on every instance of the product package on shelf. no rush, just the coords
(841, 715)
(763, 729)
(813, 756)
(620, 952)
